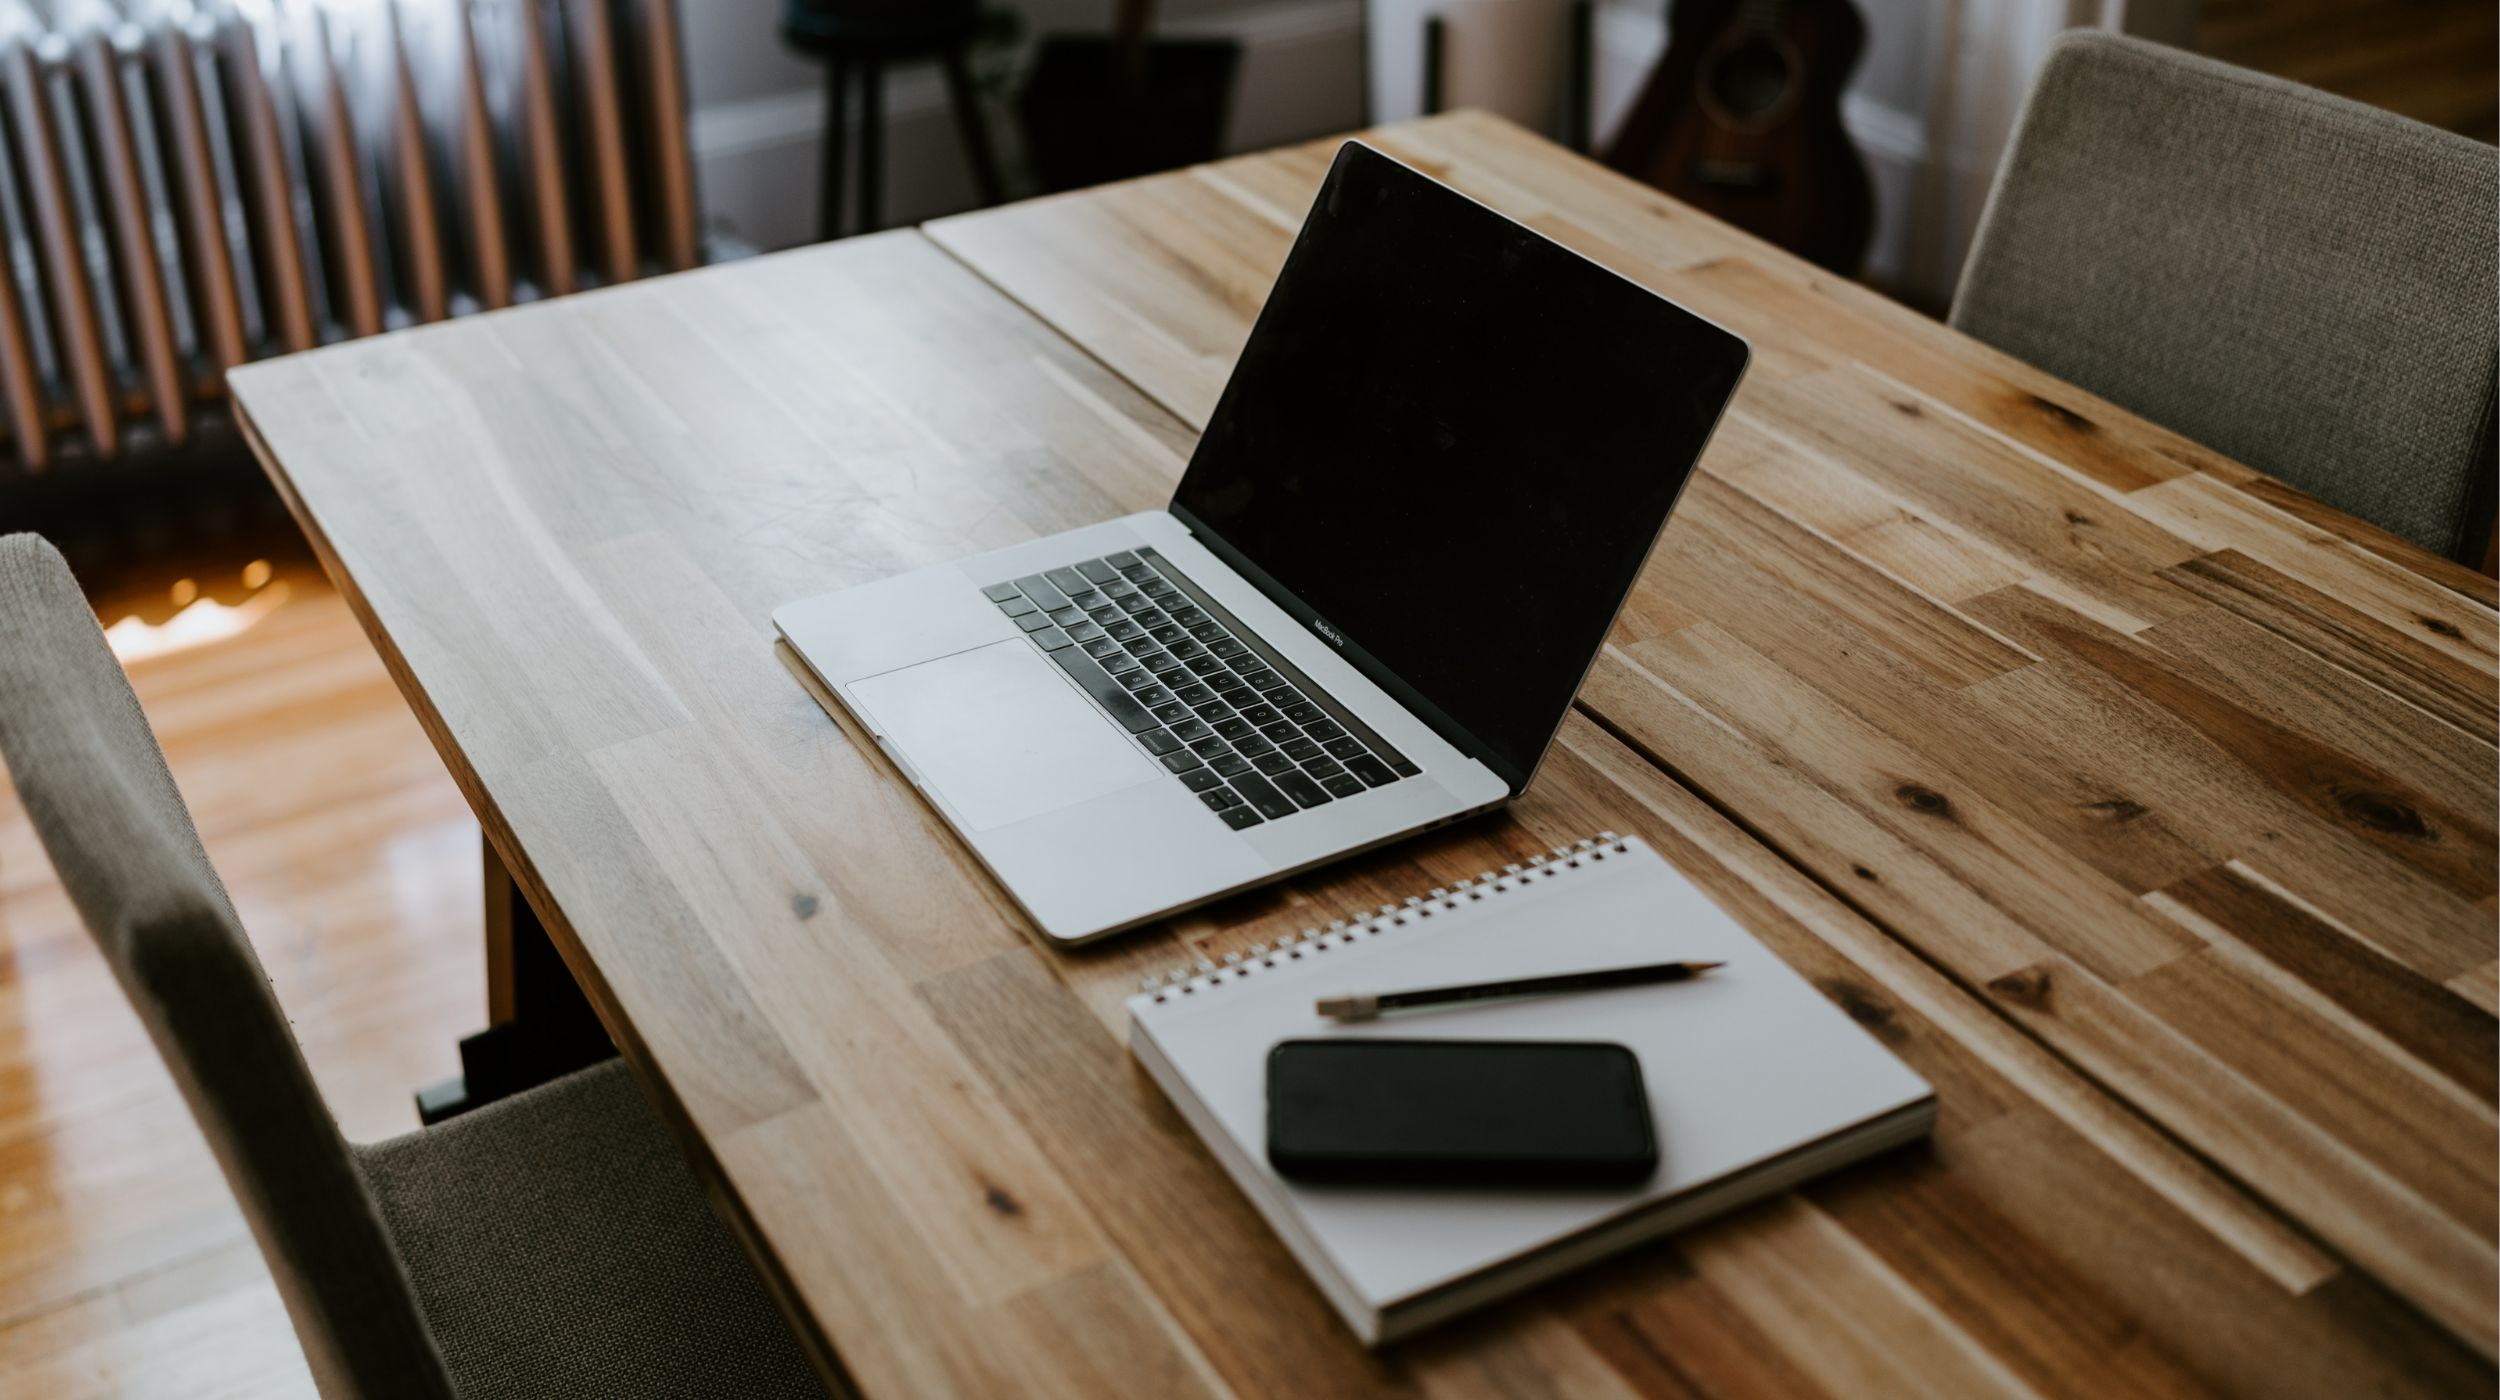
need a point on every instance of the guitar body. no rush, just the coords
(1742, 120)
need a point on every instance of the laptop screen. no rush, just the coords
(1448, 447)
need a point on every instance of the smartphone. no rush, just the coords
(1459, 1112)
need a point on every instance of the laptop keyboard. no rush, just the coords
(1234, 723)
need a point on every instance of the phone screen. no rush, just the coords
(1458, 1112)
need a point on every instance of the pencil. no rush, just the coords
(1364, 1008)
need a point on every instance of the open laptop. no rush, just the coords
(1439, 465)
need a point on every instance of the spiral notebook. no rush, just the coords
(1756, 1081)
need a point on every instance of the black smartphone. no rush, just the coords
(1459, 1112)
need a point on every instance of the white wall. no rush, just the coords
(759, 111)
(1931, 104)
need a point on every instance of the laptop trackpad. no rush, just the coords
(1000, 734)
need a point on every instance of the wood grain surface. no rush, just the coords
(126, 1269)
(2141, 806)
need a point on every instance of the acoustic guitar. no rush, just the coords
(1742, 120)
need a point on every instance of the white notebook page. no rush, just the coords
(1742, 1065)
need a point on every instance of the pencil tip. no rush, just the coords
(1705, 967)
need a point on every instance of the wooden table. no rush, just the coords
(2141, 804)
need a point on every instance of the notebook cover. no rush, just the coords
(1746, 1067)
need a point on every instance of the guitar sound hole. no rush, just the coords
(1749, 79)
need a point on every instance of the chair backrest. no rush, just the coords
(2300, 282)
(90, 774)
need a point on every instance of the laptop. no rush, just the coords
(1439, 465)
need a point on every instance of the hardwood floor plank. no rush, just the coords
(2425, 59)
(125, 1268)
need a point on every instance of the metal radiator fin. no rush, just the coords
(189, 185)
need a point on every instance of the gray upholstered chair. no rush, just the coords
(2300, 282)
(551, 1244)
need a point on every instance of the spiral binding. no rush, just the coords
(1201, 974)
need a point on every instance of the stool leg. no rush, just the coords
(871, 145)
(837, 136)
(976, 132)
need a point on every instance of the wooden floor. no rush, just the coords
(125, 1269)
(2436, 61)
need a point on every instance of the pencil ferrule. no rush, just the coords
(1358, 1008)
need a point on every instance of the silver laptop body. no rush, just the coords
(1131, 718)
(1088, 830)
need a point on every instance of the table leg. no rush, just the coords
(540, 1026)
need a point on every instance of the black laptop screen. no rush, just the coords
(1449, 445)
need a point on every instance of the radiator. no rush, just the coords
(188, 185)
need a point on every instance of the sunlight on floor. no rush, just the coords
(199, 620)
(125, 1268)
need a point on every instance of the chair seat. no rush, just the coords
(560, 1246)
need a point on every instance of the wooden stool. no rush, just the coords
(863, 37)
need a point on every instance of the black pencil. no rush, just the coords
(1363, 1008)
